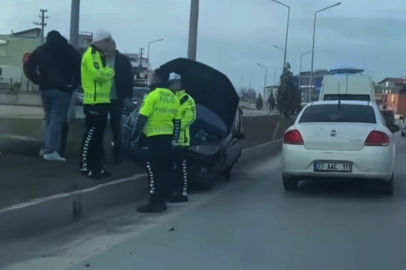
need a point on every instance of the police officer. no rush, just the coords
(179, 184)
(159, 120)
(97, 79)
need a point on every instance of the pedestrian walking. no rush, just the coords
(55, 67)
(120, 95)
(97, 79)
(159, 120)
(179, 185)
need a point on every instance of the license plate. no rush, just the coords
(332, 167)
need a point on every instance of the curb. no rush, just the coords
(44, 214)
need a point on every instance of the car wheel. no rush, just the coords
(290, 183)
(387, 187)
(402, 133)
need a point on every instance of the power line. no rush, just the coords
(42, 23)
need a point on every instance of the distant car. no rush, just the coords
(332, 139)
(389, 116)
(128, 108)
(217, 131)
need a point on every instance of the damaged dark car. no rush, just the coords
(216, 133)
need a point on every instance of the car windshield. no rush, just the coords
(338, 113)
(347, 97)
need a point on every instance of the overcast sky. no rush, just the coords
(235, 35)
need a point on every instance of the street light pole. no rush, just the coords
(74, 40)
(266, 75)
(314, 38)
(149, 45)
(287, 30)
(300, 72)
(74, 23)
(193, 26)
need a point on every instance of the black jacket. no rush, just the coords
(124, 76)
(58, 64)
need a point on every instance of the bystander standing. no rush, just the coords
(120, 95)
(55, 67)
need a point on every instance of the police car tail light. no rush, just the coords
(293, 137)
(377, 138)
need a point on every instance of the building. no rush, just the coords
(392, 85)
(141, 69)
(268, 90)
(85, 39)
(392, 94)
(13, 46)
(303, 80)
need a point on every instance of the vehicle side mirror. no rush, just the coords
(394, 128)
(239, 135)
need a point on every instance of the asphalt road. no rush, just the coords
(250, 224)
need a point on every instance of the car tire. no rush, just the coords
(402, 133)
(387, 186)
(290, 183)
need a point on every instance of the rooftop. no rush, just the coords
(400, 81)
(36, 29)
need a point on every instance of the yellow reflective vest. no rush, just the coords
(97, 77)
(187, 116)
(162, 108)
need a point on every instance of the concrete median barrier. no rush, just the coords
(48, 195)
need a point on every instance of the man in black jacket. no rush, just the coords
(55, 67)
(121, 93)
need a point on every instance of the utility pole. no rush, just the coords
(193, 26)
(74, 23)
(42, 23)
(249, 85)
(140, 68)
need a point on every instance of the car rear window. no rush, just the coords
(338, 113)
(347, 97)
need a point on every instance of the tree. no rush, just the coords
(259, 104)
(271, 102)
(248, 94)
(288, 96)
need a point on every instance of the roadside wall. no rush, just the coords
(21, 135)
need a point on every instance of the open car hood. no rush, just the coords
(208, 87)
